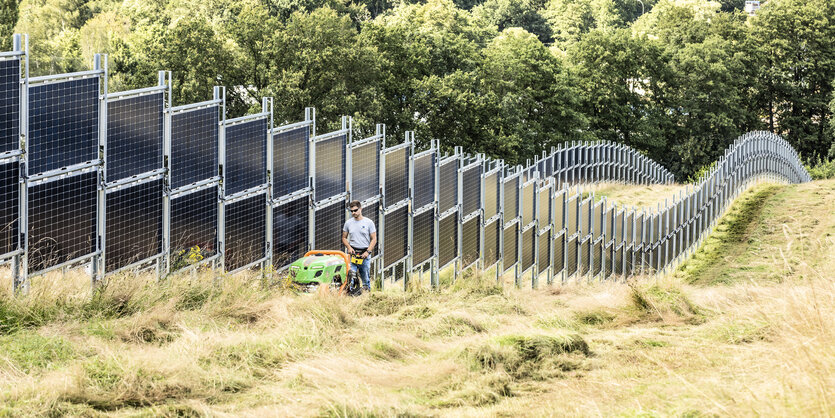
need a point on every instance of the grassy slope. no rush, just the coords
(741, 340)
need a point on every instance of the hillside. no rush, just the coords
(743, 328)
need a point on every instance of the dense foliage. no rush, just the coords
(678, 79)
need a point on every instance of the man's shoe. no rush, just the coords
(366, 289)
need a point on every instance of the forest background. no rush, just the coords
(676, 79)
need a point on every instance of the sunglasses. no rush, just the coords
(355, 210)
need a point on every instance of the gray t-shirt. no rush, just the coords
(359, 232)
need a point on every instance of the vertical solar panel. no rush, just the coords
(559, 253)
(194, 224)
(396, 236)
(372, 212)
(511, 198)
(423, 233)
(571, 256)
(246, 228)
(290, 230)
(134, 224)
(448, 186)
(246, 156)
(471, 179)
(559, 211)
(9, 206)
(329, 223)
(470, 241)
(544, 207)
(598, 220)
(62, 220)
(134, 136)
(584, 248)
(491, 243)
(365, 171)
(330, 168)
(448, 240)
(544, 247)
(528, 207)
(571, 219)
(63, 124)
(528, 248)
(491, 195)
(9, 105)
(510, 245)
(194, 143)
(424, 191)
(397, 176)
(291, 154)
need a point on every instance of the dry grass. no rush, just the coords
(648, 196)
(755, 345)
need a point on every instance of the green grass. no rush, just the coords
(729, 239)
(29, 352)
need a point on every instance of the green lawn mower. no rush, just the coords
(319, 270)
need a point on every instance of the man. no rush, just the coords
(360, 237)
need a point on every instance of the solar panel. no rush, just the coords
(63, 124)
(372, 212)
(559, 253)
(448, 240)
(291, 154)
(330, 168)
(329, 223)
(397, 176)
(470, 241)
(246, 231)
(194, 146)
(511, 199)
(246, 156)
(365, 171)
(134, 224)
(423, 234)
(509, 255)
(193, 224)
(396, 236)
(491, 195)
(491, 243)
(528, 207)
(62, 220)
(571, 257)
(134, 136)
(544, 207)
(290, 231)
(424, 191)
(471, 179)
(544, 244)
(9, 105)
(9, 206)
(528, 248)
(448, 186)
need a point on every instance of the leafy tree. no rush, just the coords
(797, 61)
(8, 19)
(571, 19)
(524, 14)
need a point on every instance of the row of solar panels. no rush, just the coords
(124, 179)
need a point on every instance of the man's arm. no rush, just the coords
(371, 245)
(345, 242)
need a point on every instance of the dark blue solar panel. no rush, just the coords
(9, 105)
(491, 195)
(491, 243)
(424, 180)
(469, 241)
(134, 136)
(194, 146)
(396, 236)
(397, 176)
(246, 231)
(448, 186)
(330, 168)
(193, 223)
(329, 223)
(448, 239)
(62, 220)
(423, 235)
(63, 124)
(9, 210)
(365, 171)
(134, 224)
(291, 154)
(290, 231)
(471, 179)
(246, 156)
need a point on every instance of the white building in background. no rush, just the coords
(751, 7)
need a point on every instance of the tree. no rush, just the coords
(524, 14)
(8, 20)
(797, 61)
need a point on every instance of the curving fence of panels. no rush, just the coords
(124, 181)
